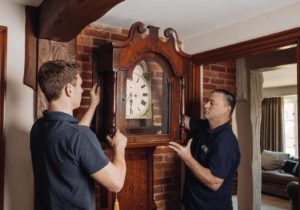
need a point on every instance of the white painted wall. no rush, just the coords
(19, 106)
(279, 20)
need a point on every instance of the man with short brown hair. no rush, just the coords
(66, 155)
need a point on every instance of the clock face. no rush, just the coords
(138, 96)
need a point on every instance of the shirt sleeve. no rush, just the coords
(89, 152)
(221, 160)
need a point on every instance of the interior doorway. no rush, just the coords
(266, 80)
(3, 44)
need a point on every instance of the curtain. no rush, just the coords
(271, 124)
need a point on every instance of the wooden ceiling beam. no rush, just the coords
(62, 20)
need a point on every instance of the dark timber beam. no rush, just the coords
(62, 20)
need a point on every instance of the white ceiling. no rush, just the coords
(188, 17)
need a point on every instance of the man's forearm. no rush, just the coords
(203, 174)
(120, 164)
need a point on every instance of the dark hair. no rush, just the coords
(229, 98)
(54, 75)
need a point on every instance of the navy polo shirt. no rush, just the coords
(64, 154)
(217, 150)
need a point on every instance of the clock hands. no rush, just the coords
(130, 103)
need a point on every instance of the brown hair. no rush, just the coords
(54, 75)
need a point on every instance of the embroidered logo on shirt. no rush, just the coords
(205, 149)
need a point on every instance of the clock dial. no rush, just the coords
(137, 97)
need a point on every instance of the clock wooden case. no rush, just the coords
(142, 84)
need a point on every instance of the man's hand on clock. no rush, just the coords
(184, 152)
(118, 141)
(95, 95)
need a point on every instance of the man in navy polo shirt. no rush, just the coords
(212, 156)
(66, 155)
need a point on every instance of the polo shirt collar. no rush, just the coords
(59, 116)
(220, 128)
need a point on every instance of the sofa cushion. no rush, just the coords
(289, 166)
(271, 160)
(277, 176)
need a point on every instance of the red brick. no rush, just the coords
(231, 70)
(172, 187)
(118, 37)
(87, 49)
(209, 86)
(162, 149)
(217, 81)
(229, 76)
(156, 112)
(162, 181)
(158, 158)
(159, 74)
(211, 74)
(87, 84)
(165, 196)
(125, 32)
(87, 66)
(99, 42)
(87, 75)
(86, 93)
(218, 68)
(230, 82)
(158, 188)
(79, 48)
(166, 165)
(160, 205)
(96, 33)
(206, 67)
(85, 101)
(206, 79)
(84, 40)
(158, 173)
(83, 57)
(170, 157)
(228, 64)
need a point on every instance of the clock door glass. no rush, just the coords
(147, 100)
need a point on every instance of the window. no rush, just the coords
(290, 119)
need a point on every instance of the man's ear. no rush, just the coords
(229, 110)
(68, 90)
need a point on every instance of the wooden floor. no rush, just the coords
(268, 203)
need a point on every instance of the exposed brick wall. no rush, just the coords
(218, 75)
(166, 164)
(94, 35)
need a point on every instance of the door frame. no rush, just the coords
(3, 46)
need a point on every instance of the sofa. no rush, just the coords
(278, 169)
(292, 190)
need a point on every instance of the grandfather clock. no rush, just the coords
(142, 84)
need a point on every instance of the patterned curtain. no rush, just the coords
(271, 124)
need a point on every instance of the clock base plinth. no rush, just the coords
(137, 193)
